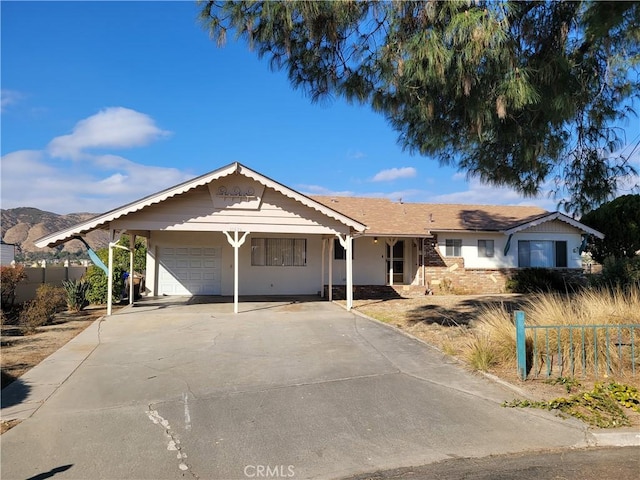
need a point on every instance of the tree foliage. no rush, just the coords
(10, 277)
(514, 93)
(619, 220)
(98, 280)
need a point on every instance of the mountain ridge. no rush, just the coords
(23, 226)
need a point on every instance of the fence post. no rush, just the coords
(521, 346)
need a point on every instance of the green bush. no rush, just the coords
(98, 281)
(76, 291)
(620, 272)
(97, 293)
(41, 311)
(538, 280)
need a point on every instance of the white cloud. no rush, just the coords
(100, 183)
(320, 190)
(9, 97)
(355, 154)
(394, 173)
(479, 193)
(114, 127)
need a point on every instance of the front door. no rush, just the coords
(395, 263)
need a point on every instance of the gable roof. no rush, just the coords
(385, 217)
(555, 216)
(102, 221)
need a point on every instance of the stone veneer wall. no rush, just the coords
(446, 275)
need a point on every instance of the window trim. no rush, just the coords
(453, 243)
(484, 252)
(278, 252)
(559, 253)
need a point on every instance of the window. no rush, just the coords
(339, 253)
(485, 248)
(279, 252)
(453, 247)
(542, 253)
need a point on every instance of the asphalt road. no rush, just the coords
(299, 389)
(622, 463)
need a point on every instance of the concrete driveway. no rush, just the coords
(290, 388)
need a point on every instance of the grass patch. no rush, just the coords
(562, 351)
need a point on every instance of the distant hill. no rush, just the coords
(24, 225)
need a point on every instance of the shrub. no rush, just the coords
(40, 311)
(538, 280)
(98, 284)
(10, 277)
(623, 272)
(481, 353)
(589, 307)
(76, 291)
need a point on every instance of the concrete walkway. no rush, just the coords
(171, 387)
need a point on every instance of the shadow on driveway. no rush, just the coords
(15, 392)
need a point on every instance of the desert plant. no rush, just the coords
(40, 311)
(76, 291)
(10, 277)
(560, 349)
(481, 352)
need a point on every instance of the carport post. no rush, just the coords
(132, 247)
(236, 244)
(110, 279)
(349, 253)
(330, 270)
(324, 245)
(347, 244)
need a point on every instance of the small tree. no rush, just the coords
(619, 220)
(10, 277)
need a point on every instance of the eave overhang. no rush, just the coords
(103, 221)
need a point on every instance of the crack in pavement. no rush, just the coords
(173, 443)
(292, 385)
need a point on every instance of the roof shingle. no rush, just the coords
(385, 217)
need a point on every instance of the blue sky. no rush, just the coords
(106, 102)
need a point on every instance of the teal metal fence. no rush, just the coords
(576, 350)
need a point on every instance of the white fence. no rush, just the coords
(52, 274)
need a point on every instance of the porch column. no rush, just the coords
(236, 244)
(330, 287)
(347, 243)
(132, 248)
(324, 244)
(112, 235)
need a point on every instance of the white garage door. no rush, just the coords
(189, 271)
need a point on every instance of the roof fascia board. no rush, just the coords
(308, 202)
(463, 230)
(65, 235)
(96, 222)
(555, 216)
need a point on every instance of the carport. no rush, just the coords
(197, 228)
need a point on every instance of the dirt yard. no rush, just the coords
(22, 352)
